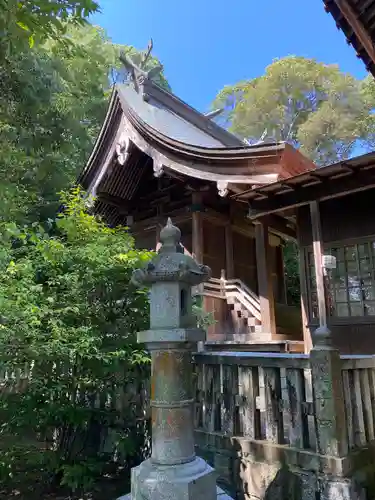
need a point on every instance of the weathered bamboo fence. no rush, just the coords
(256, 395)
(260, 414)
(256, 413)
(358, 375)
(262, 396)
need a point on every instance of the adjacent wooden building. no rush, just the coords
(157, 157)
(333, 208)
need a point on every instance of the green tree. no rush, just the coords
(291, 266)
(69, 314)
(368, 94)
(53, 101)
(40, 19)
(45, 138)
(311, 105)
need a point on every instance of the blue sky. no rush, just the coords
(206, 44)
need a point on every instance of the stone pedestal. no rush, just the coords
(328, 395)
(331, 425)
(220, 495)
(194, 480)
(173, 472)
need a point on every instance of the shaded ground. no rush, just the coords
(26, 487)
(33, 483)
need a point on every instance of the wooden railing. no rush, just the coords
(270, 397)
(358, 378)
(261, 414)
(234, 288)
(256, 395)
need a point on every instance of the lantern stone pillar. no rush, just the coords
(326, 370)
(173, 471)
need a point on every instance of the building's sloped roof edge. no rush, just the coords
(176, 105)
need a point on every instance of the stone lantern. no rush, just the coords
(174, 471)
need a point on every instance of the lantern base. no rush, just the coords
(195, 480)
(171, 335)
(220, 495)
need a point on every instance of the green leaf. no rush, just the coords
(23, 26)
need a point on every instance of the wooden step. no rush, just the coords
(247, 324)
(238, 307)
(244, 313)
(251, 321)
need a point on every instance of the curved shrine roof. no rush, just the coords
(181, 140)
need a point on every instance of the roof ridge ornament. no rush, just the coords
(138, 74)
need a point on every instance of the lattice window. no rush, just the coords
(351, 286)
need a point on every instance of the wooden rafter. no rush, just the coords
(330, 187)
(280, 226)
(357, 27)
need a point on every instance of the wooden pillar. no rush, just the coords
(265, 288)
(303, 277)
(318, 255)
(307, 339)
(197, 243)
(229, 262)
(197, 227)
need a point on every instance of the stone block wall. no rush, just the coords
(250, 470)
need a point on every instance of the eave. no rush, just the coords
(233, 168)
(332, 181)
(356, 18)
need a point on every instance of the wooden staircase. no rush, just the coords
(243, 303)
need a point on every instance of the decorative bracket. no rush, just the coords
(222, 187)
(122, 149)
(158, 168)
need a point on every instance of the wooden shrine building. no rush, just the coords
(334, 211)
(157, 157)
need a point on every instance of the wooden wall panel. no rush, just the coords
(214, 247)
(223, 326)
(353, 338)
(245, 260)
(341, 218)
(186, 235)
(146, 240)
(245, 264)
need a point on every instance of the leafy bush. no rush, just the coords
(204, 319)
(67, 331)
